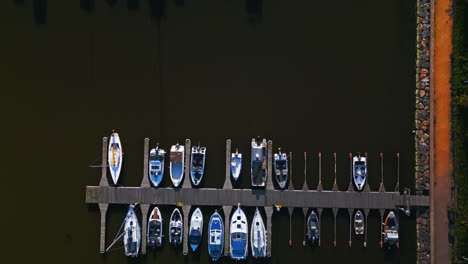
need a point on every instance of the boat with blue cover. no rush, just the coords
(313, 228)
(175, 228)
(155, 224)
(216, 236)
(156, 165)
(115, 156)
(197, 164)
(281, 168)
(132, 233)
(258, 162)
(359, 172)
(239, 234)
(258, 236)
(236, 165)
(176, 165)
(196, 229)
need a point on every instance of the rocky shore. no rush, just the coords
(422, 126)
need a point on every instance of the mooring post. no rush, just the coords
(269, 182)
(350, 188)
(397, 188)
(304, 210)
(103, 208)
(350, 212)
(367, 188)
(319, 186)
(227, 220)
(335, 211)
(382, 212)
(319, 211)
(269, 214)
(144, 225)
(382, 187)
(305, 187)
(186, 211)
(290, 211)
(145, 181)
(291, 185)
(104, 181)
(227, 182)
(366, 211)
(335, 185)
(187, 179)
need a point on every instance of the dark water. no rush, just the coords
(328, 76)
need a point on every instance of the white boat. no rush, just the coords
(155, 224)
(281, 168)
(132, 233)
(216, 236)
(196, 229)
(238, 235)
(313, 228)
(359, 223)
(236, 165)
(197, 164)
(115, 156)
(359, 171)
(176, 228)
(258, 236)
(156, 165)
(176, 166)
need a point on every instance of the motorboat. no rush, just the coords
(156, 165)
(238, 235)
(175, 228)
(196, 229)
(132, 233)
(176, 166)
(359, 171)
(197, 164)
(313, 228)
(216, 236)
(115, 156)
(281, 168)
(259, 162)
(258, 236)
(359, 223)
(390, 231)
(155, 225)
(236, 165)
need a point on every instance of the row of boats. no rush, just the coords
(238, 234)
(258, 171)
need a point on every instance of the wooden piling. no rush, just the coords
(145, 181)
(103, 208)
(227, 231)
(350, 212)
(104, 181)
(227, 181)
(319, 186)
(269, 183)
(186, 212)
(367, 187)
(188, 150)
(269, 214)
(305, 187)
(382, 187)
(335, 185)
(144, 224)
(291, 184)
(350, 188)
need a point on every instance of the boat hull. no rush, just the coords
(391, 229)
(196, 229)
(176, 166)
(216, 236)
(359, 172)
(259, 163)
(155, 224)
(236, 165)
(115, 157)
(258, 236)
(156, 166)
(176, 228)
(238, 235)
(281, 169)
(359, 223)
(313, 228)
(132, 234)
(197, 164)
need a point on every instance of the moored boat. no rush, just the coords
(259, 162)
(176, 166)
(115, 156)
(238, 235)
(175, 228)
(196, 229)
(156, 165)
(155, 225)
(197, 164)
(313, 228)
(132, 233)
(281, 168)
(390, 231)
(359, 171)
(236, 165)
(216, 236)
(258, 236)
(359, 223)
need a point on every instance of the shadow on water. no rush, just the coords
(133, 5)
(40, 11)
(179, 2)
(18, 2)
(112, 3)
(87, 5)
(157, 9)
(254, 10)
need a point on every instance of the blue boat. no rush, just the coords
(156, 165)
(359, 172)
(216, 236)
(236, 165)
(196, 229)
(177, 163)
(239, 235)
(197, 165)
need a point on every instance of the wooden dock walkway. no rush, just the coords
(228, 197)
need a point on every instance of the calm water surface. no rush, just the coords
(315, 76)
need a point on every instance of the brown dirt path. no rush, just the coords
(442, 49)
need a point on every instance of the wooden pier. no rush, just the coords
(228, 197)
